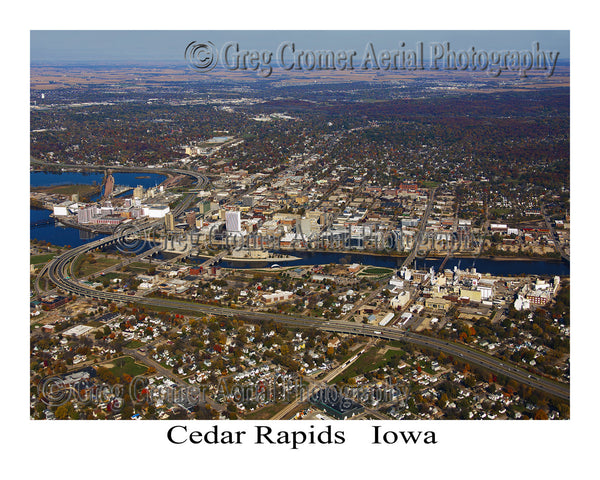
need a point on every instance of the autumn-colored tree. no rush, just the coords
(540, 415)
(61, 413)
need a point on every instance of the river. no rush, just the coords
(483, 265)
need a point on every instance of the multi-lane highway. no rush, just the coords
(458, 351)
(59, 273)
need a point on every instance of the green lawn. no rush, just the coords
(111, 276)
(376, 271)
(366, 362)
(391, 353)
(127, 365)
(83, 191)
(36, 259)
(266, 412)
(138, 267)
(87, 268)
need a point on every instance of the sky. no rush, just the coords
(50, 47)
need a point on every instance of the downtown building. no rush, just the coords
(233, 222)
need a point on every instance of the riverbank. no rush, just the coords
(499, 258)
(271, 259)
(84, 191)
(106, 229)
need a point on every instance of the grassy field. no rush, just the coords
(84, 191)
(370, 360)
(366, 362)
(376, 271)
(112, 275)
(396, 344)
(138, 267)
(88, 268)
(37, 259)
(127, 365)
(266, 412)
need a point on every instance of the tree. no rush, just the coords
(540, 415)
(65, 411)
(62, 413)
(127, 412)
(470, 381)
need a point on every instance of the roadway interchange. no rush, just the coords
(59, 273)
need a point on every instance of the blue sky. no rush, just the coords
(167, 46)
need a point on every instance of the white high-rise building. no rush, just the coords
(233, 221)
(138, 192)
(85, 215)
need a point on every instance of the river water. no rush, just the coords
(483, 265)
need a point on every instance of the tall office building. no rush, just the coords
(190, 218)
(204, 206)
(84, 215)
(109, 184)
(138, 192)
(233, 221)
(169, 222)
